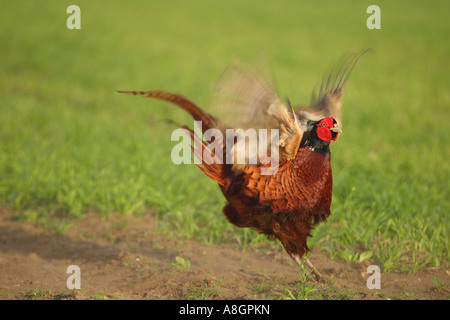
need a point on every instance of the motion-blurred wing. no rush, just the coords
(328, 101)
(246, 100)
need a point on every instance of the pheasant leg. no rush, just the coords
(310, 266)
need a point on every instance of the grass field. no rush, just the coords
(71, 146)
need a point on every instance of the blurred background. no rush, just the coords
(71, 146)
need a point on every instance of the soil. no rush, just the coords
(123, 257)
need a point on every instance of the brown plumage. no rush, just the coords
(288, 201)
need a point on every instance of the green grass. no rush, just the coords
(181, 263)
(71, 146)
(39, 294)
(205, 292)
(304, 290)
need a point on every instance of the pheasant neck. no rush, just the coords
(318, 145)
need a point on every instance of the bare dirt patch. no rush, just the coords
(125, 258)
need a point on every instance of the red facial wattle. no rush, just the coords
(323, 129)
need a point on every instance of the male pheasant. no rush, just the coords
(287, 199)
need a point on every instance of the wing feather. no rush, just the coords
(247, 100)
(328, 101)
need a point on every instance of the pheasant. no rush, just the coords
(288, 201)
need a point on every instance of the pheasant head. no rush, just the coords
(322, 133)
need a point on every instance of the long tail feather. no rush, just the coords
(198, 114)
(211, 164)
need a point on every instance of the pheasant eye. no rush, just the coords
(323, 124)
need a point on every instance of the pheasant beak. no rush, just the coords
(336, 129)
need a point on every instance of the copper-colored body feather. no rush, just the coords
(297, 196)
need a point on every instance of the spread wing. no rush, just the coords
(248, 101)
(328, 101)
